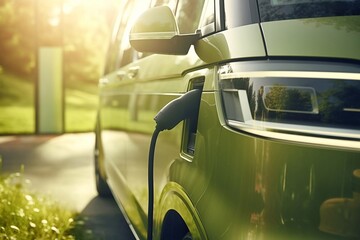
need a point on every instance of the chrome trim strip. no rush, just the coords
(294, 128)
(351, 110)
(348, 144)
(292, 74)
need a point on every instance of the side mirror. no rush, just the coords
(156, 31)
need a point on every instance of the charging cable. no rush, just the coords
(186, 106)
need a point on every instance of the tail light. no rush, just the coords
(299, 102)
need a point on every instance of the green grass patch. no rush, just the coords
(81, 107)
(17, 112)
(17, 106)
(80, 120)
(16, 91)
(17, 119)
(27, 216)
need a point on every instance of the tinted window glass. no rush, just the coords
(209, 14)
(271, 10)
(113, 50)
(127, 53)
(239, 13)
(188, 15)
(170, 3)
(207, 22)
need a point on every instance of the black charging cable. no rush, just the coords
(186, 106)
(151, 183)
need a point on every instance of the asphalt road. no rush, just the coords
(62, 167)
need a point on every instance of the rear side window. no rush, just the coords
(114, 45)
(126, 53)
(170, 3)
(272, 10)
(207, 22)
(239, 13)
(188, 13)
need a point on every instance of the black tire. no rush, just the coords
(101, 185)
(174, 227)
(187, 236)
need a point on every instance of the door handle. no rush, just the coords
(132, 72)
(120, 75)
(103, 81)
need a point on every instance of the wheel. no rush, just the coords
(187, 236)
(174, 227)
(101, 185)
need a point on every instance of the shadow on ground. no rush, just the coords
(102, 217)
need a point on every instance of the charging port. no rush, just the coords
(190, 125)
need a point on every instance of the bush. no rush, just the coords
(25, 215)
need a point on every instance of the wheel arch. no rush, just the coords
(98, 148)
(175, 209)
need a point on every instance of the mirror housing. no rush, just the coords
(156, 31)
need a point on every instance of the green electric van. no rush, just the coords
(272, 149)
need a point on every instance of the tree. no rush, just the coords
(87, 31)
(82, 28)
(17, 38)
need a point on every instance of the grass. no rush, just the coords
(17, 119)
(27, 216)
(17, 112)
(81, 106)
(17, 106)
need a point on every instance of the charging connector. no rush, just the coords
(179, 109)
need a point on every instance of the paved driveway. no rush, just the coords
(62, 167)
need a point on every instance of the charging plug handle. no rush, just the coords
(171, 114)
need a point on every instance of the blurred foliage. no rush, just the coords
(86, 40)
(81, 27)
(17, 38)
(14, 90)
